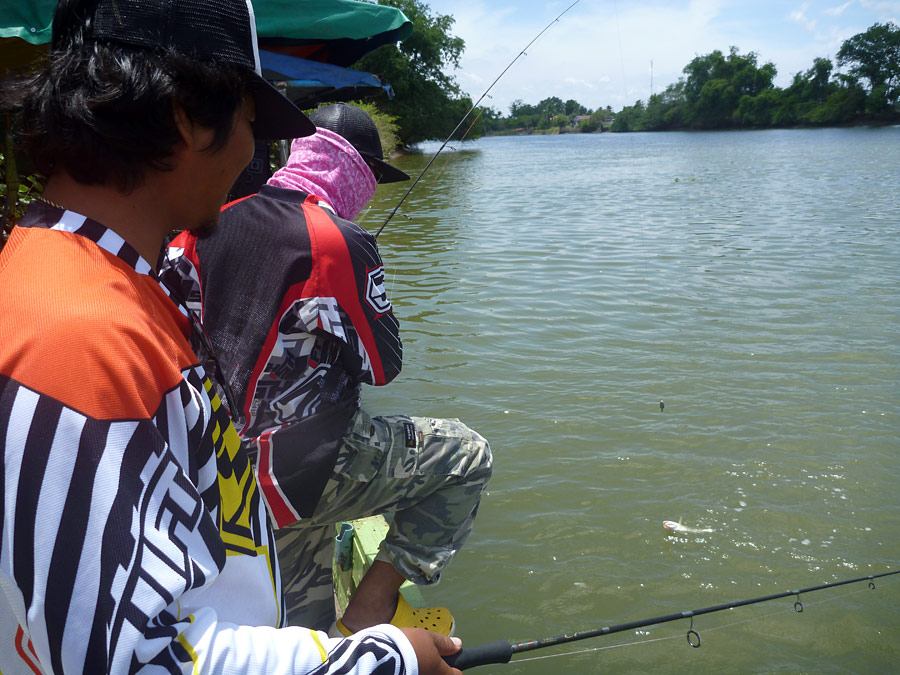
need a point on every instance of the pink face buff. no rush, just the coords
(327, 166)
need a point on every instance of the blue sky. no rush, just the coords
(600, 52)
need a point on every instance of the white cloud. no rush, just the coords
(471, 78)
(837, 11)
(598, 54)
(882, 6)
(579, 83)
(799, 15)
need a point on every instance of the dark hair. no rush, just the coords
(104, 112)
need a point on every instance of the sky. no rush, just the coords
(611, 52)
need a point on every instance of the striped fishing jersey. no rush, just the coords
(134, 535)
(294, 302)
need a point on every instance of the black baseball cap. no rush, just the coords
(208, 30)
(355, 125)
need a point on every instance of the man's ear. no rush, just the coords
(194, 136)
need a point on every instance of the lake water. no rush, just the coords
(553, 290)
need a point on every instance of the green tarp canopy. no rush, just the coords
(339, 32)
(28, 20)
(24, 29)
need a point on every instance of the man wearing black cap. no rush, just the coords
(292, 295)
(134, 532)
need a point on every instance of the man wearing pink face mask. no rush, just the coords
(291, 294)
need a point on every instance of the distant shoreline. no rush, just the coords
(557, 131)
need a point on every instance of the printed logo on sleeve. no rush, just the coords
(376, 296)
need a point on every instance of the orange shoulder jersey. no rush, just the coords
(134, 535)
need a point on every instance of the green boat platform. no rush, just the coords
(356, 545)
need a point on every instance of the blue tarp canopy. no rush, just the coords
(308, 82)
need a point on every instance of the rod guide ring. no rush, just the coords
(693, 638)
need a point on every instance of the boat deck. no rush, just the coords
(354, 552)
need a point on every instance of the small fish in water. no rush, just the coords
(674, 526)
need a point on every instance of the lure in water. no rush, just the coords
(674, 526)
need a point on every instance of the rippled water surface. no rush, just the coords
(553, 290)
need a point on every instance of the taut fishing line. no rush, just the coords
(705, 630)
(471, 110)
(447, 162)
(502, 651)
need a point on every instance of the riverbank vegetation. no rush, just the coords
(735, 91)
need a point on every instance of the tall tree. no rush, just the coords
(817, 79)
(552, 106)
(424, 93)
(665, 110)
(630, 118)
(874, 56)
(518, 108)
(716, 83)
(573, 108)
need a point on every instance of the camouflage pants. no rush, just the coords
(429, 473)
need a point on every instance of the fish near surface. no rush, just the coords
(675, 526)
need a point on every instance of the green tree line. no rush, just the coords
(732, 91)
(550, 114)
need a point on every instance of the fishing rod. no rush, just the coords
(474, 106)
(501, 651)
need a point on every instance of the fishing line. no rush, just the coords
(447, 162)
(630, 141)
(705, 630)
(501, 651)
(440, 173)
(621, 52)
(598, 649)
(474, 106)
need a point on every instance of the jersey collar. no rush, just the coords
(50, 217)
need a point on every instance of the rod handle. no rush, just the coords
(481, 655)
